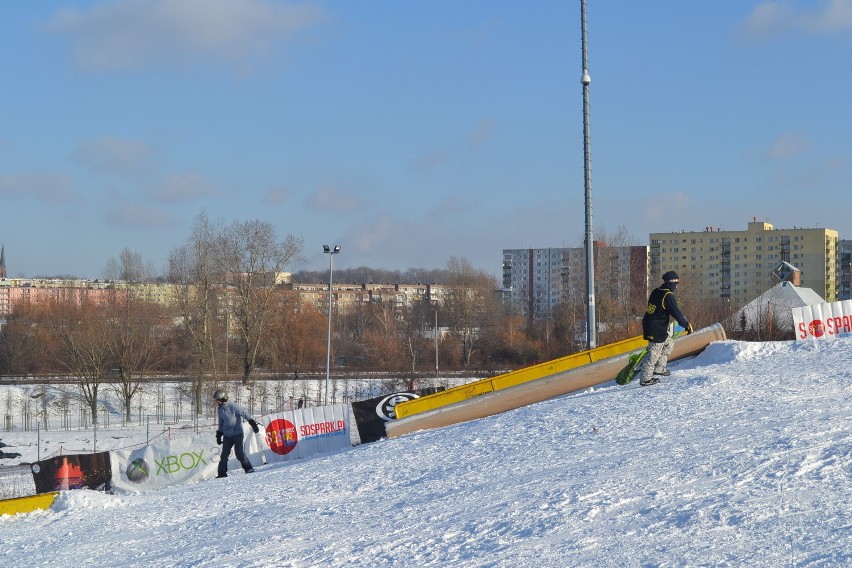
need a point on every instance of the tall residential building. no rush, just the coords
(844, 270)
(535, 281)
(739, 265)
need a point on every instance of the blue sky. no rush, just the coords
(410, 132)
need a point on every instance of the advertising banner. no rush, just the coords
(372, 414)
(299, 433)
(171, 462)
(75, 471)
(823, 321)
(165, 463)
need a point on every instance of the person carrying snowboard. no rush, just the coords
(230, 432)
(655, 327)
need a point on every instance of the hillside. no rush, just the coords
(742, 457)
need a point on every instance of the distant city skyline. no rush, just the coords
(409, 133)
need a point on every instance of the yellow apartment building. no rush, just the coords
(738, 265)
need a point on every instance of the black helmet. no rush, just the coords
(671, 276)
(220, 394)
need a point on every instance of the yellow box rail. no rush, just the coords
(27, 504)
(513, 378)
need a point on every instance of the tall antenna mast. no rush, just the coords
(591, 340)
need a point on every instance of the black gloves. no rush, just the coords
(253, 425)
(219, 437)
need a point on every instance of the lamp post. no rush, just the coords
(330, 251)
(591, 324)
(436, 339)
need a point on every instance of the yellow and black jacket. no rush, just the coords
(661, 306)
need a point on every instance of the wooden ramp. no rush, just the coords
(533, 384)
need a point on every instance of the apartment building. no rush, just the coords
(738, 265)
(844, 270)
(535, 281)
(347, 298)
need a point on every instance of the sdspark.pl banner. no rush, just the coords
(299, 433)
(823, 321)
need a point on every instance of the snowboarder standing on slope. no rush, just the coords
(655, 327)
(230, 432)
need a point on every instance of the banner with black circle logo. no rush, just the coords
(372, 414)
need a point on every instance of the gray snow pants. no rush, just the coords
(657, 357)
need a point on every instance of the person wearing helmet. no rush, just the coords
(655, 326)
(230, 432)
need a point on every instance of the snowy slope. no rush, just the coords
(742, 457)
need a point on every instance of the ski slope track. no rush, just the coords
(742, 457)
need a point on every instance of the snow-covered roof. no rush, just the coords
(774, 306)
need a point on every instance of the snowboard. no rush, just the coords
(634, 362)
(630, 370)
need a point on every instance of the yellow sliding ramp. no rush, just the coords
(533, 384)
(27, 504)
(514, 378)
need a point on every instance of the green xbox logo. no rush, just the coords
(137, 471)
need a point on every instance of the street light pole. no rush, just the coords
(330, 252)
(436, 340)
(591, 324)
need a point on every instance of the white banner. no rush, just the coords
(299, 433)
(165, 463)
(181, 460)
(823, 321)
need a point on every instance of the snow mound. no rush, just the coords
(85, 499)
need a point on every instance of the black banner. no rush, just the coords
(371, 414)
(76, 471)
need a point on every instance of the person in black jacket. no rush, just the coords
(655, 327)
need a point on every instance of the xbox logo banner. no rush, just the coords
(165, 463)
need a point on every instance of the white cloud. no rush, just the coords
(276, 195)
(788, 145)
(380, 231)
(47, 188)
(330, 199)
(454, 205)
(187, 186)
(112, 155)
(134, 216)
(482, 132)
(132, 34)
(774, 18)
(429, 160)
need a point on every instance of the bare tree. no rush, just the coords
(135, 326)
(82, 345)
(620, 301)
(129, 267)
(195, 281)
(416, 320)
(297, 336)
(251, 258)
(469, 304)
(23, 341)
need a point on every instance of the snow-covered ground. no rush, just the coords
(742, 457)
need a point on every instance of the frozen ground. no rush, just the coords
(742, 457)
